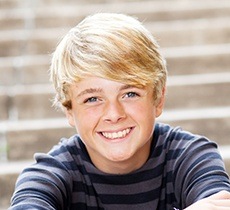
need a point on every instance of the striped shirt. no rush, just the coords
(181, 169)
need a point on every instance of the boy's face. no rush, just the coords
(115, 122)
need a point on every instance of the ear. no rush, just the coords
(161, 102)
(70, 117)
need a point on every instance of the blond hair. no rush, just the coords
(108, 45)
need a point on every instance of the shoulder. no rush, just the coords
(176, 135)
(51, 174)
(173, 133)
(66, 146)
(67, 155)
(182, 145)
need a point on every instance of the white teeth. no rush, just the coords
(116, 135)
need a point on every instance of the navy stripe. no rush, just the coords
(129, 178)
(131, 198)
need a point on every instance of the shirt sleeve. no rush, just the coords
(199, 171)
(44, 185)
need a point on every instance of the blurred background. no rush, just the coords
(195, 39)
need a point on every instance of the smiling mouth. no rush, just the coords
(116, 135)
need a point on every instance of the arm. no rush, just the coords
(199, 173)
(44, 185)
(218, 201)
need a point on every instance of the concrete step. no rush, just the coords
(24, 70)
(10, 171)
(191, 32)
(21, 139)
(197, 59)
(29, 42)
(183, 92)
(39, 14)
(4, 108)
(33, 69)
(198, 91)
(169, 34)
(12, 4)
(28, 102)
(213, 122)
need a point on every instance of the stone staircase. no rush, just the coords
(195, 39)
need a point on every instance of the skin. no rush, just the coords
(115, 122)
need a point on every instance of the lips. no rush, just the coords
(116, 135)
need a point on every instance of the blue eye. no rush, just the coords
(131, 94)
(91, 100)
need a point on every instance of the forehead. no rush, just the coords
(94, 82)
(98, 85)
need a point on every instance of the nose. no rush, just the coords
(114, 112)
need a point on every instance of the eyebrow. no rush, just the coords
(124, 87)
(90, 90)
(99, 90)
(127, 86)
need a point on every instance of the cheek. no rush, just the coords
(87, 118)
(142, 111)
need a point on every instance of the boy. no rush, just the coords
(110, 80)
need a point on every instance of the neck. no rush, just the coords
(126, 166)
